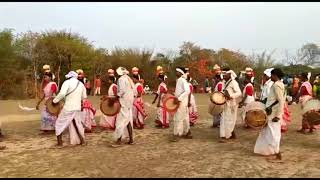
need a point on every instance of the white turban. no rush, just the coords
(233, 74)
(122, 71)
(180, 70)
(309, 76)
(72, 74)
(268, 72)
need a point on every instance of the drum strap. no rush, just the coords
(73, 89)
(227, 85)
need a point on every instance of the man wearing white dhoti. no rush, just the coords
(229, 114)
(181, 117)
(73, 91)
(268, 142)
(125, 94)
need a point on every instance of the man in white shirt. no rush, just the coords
(181, 117)
(124, 123)
(73, 91)
(267, 85)
(229, 114)
(268, 141)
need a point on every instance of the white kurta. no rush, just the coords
(268, 142)
(266, 89)
(181, 117)
(229, 113)
(126, 98)
(71, 109)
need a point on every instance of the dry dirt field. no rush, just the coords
(31, 155)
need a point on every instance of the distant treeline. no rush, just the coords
(23, 55)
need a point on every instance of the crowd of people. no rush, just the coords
(78, 113)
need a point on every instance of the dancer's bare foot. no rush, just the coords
(175, 138)
(116, 144)
(301, 131)
(233, 136)
(188, 135)
(222, 140)
(278, 156)
(130, 142)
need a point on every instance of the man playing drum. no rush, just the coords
(162, 118)
(109, 122)
(268, 142)
(139, 113)
(73, 91)
(125, 94)
(218, 87)
(267, 84)
(181, 117)
(229, 114)
(304, 95)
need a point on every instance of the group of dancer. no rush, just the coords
(273, 96)
(78, 113)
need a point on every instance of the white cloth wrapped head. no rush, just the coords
(122, 71)
(71, 74)
(183, 71)
(233, 74)
(267, 72)
(309, 76)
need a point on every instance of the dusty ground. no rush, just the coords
(31, 155)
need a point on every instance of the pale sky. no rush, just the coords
(244, 26)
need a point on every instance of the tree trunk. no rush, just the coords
(35, 79)
(59, 67)
(69, 62)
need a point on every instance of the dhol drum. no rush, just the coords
(256, 116)
(217, 100)
(311, 111)
(53, 109)
(108, 108)
(168, 103)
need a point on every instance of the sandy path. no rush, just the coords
(32, 155)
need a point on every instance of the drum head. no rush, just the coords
(217, 98)
(256, 118)
(110, 110)
(53, 109)
(169, 105)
